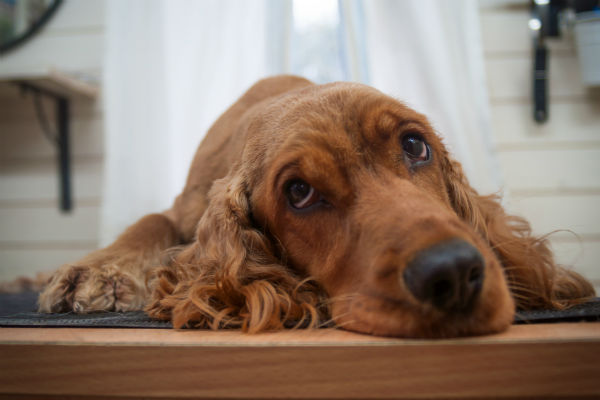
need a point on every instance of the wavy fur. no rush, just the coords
(231, 277)
(535, 280)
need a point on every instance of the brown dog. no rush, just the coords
(308, 203)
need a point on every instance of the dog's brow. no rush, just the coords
(389, 122)
(408, 123)
(283, 169)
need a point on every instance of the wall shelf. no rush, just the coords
(61, 88)
(66, 84)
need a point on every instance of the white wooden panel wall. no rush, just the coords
(551, 171)
(34, 234)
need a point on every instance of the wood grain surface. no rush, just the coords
(534, 361)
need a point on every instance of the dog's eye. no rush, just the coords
(415, 148)
(300, 194)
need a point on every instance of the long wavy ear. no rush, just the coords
(230, 276)
(533, 277)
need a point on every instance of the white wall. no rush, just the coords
(551, 171)
(34, 234)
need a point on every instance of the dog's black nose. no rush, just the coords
(448, 275)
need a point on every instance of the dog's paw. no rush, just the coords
(59, 292)
(85, 289)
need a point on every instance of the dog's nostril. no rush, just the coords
(475, 274)
(441, 291)
(442, 287)
(449, 275)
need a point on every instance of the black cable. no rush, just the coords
(36, 26)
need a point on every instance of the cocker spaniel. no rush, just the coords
(312, 204)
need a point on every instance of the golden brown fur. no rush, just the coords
(235, 253)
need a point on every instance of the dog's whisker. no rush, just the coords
(341, 298)
(344, 324)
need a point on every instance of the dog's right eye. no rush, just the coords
(300, 194)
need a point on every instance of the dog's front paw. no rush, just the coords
(59, 293)
(85, 289)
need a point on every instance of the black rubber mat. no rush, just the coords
(589, 311)
(18, 309)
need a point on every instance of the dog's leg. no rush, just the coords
(112, 278)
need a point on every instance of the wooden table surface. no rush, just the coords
(532, 361)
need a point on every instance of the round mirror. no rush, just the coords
(21, 19)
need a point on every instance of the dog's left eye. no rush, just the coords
(300, 194)
(415, 148)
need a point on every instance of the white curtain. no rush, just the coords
(173, 66)
(428, 54)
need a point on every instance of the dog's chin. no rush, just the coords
(382, 317)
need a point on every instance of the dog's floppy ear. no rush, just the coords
(230, 277)
(533, 277)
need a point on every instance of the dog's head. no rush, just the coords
(361, 195)
(345, 197)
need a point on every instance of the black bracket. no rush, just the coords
(545, 23)
(60, 139)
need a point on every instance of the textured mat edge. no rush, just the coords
(589, 311)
